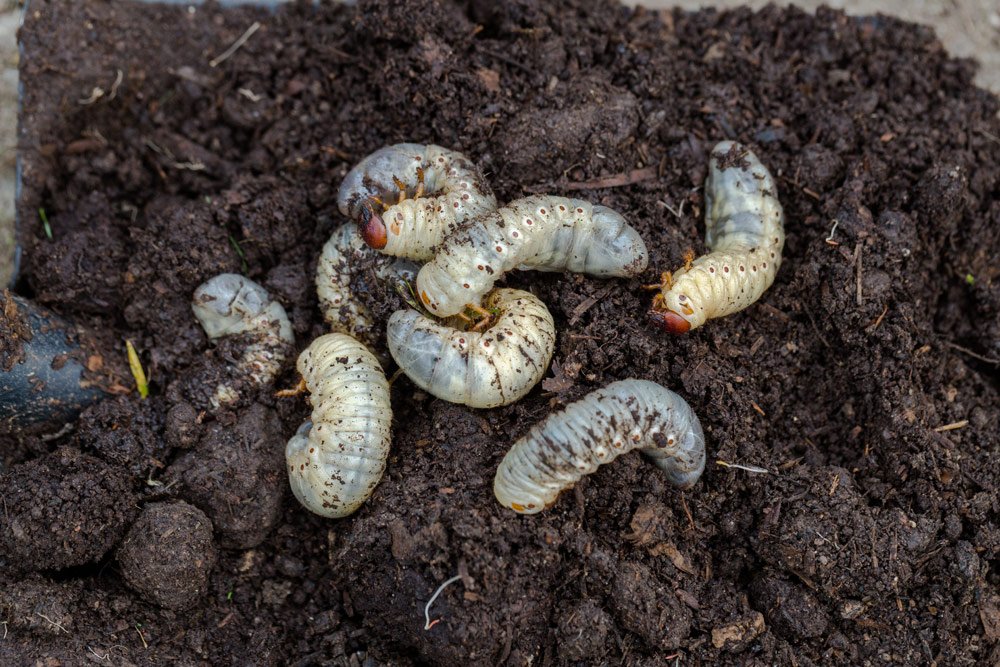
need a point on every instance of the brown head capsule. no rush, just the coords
(669, 321)
(372, 228)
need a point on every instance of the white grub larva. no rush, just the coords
(479, 369)
(542, 233)
(337, 457)
(336, 280)
(567, 445)
(229, 305)
(445, 189)
(745, 234)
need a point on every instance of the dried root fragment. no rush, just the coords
(566, 446)
(229, 305)
(406, 198)
(543, 233)
(479, 369)
(745, 234)
(337, 457)
(336, 279)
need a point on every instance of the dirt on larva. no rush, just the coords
(866, 381)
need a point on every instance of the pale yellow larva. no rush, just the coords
(479, 369)
(566, 446)
(336, 458)
(336, 280)
(230, 304)
(745, 234)
(542, 233)
(452, 191)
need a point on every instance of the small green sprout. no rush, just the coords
(137, 372)
(45, 223)
(970, 279)
(239, 251)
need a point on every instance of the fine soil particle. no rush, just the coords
(236, 475)
(62, 510)
(168, 554)
(865, 382)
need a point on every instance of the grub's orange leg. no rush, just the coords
(688, 259)
(298, 389)
(666, 282)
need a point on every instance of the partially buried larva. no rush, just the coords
(479, 369)
(542, 233)
(336, 458)
(337, 279)
(436, 189)
(745, 234)
(230, 304)
(566, 446)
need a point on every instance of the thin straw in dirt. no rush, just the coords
(241, 40)
(755, 469)
(428, 623)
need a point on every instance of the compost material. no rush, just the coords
(860, 395)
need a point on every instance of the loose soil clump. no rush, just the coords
(865, 382)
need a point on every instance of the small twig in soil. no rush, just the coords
(250, 95)
(43, 616)
(427, 608)
(878, 320)
(725, 464)
(504, 59)
(857, 273)
(254, 27)
(974, 355)
(616, 181)
(678, 212)
(137, 629)
(952, 426)
(988, 134)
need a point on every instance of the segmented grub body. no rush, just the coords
(745, 234)
(480, 369)
(542, 233)
(566, 446)
(454, 191)
(337, 457)
(337, 279)
(230, 304)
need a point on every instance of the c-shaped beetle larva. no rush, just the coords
(336, 279)
(745, 234)
(479, 369)
(336, 458)
(566, 446)
(230, 304)
(445, 189)
(542, 233)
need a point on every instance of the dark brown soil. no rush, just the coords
(874, 538)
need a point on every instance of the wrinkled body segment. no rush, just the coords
(568, 445)
(745, 234)
(542, 233)
(336, 280)
(480, 369)
(230, 304)
(452, 190)
(338, 456)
